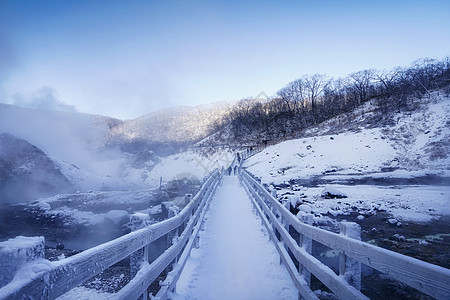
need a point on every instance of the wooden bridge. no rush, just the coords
(293, 239)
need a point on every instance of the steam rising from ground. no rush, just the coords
(69, 139)
(44, 98)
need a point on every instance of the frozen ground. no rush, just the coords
(402, 168)
(236, 259)
(417, 203)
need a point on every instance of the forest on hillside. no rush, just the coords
(312, 99)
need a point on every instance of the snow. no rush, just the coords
(16, 253)
(236, 260)
(16, 245)
(354, 152)
(415, 147)
(332, 193)
(189, 164)
(26, 273)
(83, 293)
(405, 203)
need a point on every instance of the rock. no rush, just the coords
(296, 187)
(392, 221)
(399, 237)
(360, 217)
(305, 208)
(332, 193)
(118, 217)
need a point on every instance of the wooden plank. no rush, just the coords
(428, 278)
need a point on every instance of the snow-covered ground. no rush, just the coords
(420, 203)
(236, 259)
(416, 147)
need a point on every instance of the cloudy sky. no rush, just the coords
(127, 58)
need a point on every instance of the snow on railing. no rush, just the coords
(425, 277)
(61, 276)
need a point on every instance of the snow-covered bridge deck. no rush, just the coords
(236, 259)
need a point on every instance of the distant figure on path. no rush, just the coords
(229, 171)
(235, 170)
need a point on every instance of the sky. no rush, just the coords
(126, 58)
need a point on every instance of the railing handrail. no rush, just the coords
(428, 278)
(62, 276)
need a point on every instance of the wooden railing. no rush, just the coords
(425, 277)
(59, 277)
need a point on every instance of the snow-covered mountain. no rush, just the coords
(170, 127)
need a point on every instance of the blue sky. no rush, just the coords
(127, 58)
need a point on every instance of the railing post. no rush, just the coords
(170, 211)
(187, 199)
(17, 252)
(350, 268)
(137, 221)
(146, 254)
(306, 244)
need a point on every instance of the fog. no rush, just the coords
(45, 99)
(70, 139)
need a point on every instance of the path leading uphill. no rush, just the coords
(235, 260)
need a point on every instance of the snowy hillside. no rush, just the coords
(413, 150)
(174, 125)
(418, 141)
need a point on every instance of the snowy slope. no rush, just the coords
(350, 152)
(414, 150)
(418, 142)
(173, 125)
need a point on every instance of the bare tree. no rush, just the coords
(314, 86)
(362, 82)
